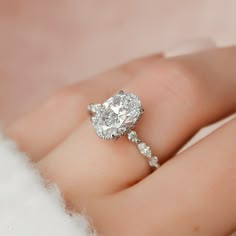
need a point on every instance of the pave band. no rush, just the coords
(117, 117)
(144, 149)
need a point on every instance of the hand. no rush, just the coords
(192, 193)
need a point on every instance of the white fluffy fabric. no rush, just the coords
(27, 208)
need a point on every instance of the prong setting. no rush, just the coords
(121, 92)
(117, 117)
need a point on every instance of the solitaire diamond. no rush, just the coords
(117, 116)
(145, 149)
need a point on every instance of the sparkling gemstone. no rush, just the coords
(132, 136)
(154, 162)
(116, 116)
(145, 149)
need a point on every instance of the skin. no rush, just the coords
(192, 193)
(46, 45)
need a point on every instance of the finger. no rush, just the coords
(176, 105)
(192, 194)
(44, 128)
(193, 91)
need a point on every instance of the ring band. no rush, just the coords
(117, 117)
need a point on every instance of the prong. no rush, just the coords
(142, 110)
(90, 108)
(121, 92)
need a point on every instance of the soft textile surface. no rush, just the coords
(27, 207)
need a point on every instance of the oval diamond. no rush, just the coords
(117, 116)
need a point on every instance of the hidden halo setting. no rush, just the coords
(117, 117)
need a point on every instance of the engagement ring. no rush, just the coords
(117, 117)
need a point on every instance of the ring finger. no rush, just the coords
(177, 103)
(46, 127)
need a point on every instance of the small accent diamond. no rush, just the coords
(154, 162)
(132, 136)
(93, 108)
(145, 149)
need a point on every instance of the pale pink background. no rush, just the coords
(47, 44)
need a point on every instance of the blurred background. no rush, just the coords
(45, 45)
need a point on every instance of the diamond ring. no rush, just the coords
(117, 117)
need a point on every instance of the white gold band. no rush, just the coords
(144, 149)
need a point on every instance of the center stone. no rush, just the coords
(116, 116)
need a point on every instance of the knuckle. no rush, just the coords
(129, 70)
(181, 81)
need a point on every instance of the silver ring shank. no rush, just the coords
(144, 149)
